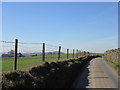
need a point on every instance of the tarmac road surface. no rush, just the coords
(97, 74)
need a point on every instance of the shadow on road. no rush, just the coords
(82, 79)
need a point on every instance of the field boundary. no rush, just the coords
(42, 48)
(59, 74)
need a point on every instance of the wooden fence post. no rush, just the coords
(15, 54)
(67, 53)
(43, 52)
(81, 53)
(59, 52)
(73, 53)
(84, 53)
(77, 53)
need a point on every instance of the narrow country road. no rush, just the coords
(97, 74)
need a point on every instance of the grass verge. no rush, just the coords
(115, 66)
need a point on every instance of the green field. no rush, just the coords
(25, 63)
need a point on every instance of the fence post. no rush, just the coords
(73, 53)
(77, 53)
(84, 53)
(15, 54)
(59, 52)
(67, 53)
(43, 52)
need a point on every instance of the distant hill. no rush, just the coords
(28, 54)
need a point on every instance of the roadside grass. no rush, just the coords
(115, 66)
(25, 63)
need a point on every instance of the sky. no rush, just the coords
(60, 0)
(89, 26)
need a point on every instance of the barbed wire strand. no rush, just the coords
(7, 42)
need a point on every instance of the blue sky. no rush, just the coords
(86, 26)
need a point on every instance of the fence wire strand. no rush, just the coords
(34, 52)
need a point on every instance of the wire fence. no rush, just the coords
(21, 55)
